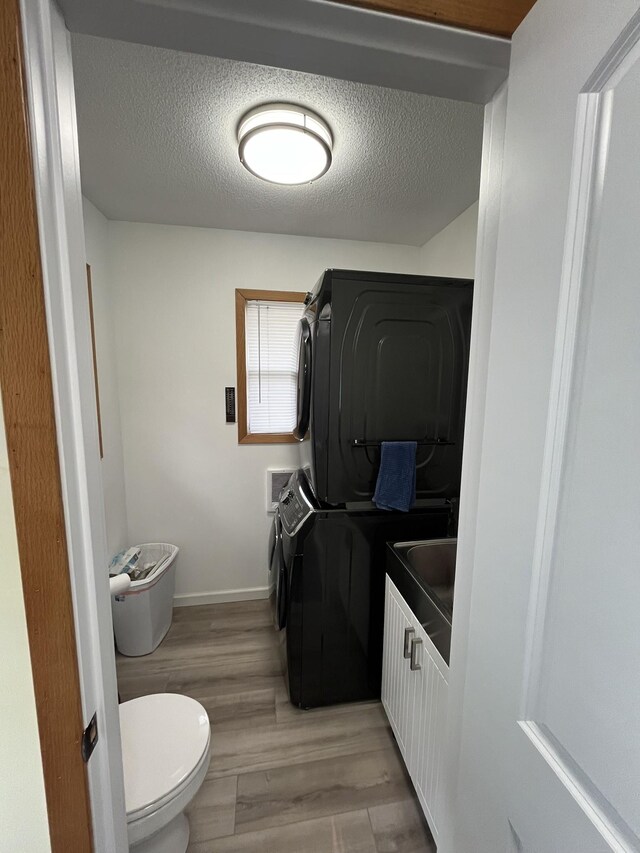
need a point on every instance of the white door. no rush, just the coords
(550, 750)
(51, 98)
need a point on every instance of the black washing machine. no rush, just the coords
(330, 595)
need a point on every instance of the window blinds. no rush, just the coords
(271, 337)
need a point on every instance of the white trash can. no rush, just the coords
(142, 615)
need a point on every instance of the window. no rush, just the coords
(266, 335)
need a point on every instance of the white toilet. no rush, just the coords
(166, 748)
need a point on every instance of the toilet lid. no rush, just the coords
(164, 737)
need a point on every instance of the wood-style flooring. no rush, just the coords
(281, 780)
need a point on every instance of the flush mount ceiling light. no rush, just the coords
(284, 144)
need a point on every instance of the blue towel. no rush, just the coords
(396, 485)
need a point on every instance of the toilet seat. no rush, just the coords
(165, 744)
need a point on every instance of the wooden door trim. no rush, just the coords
(493, 17)
(28, 403)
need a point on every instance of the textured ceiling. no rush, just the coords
(157, 132)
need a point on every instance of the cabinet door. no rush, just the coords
(397, 697)
(429, 691)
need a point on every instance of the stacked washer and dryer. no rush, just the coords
(381, 358)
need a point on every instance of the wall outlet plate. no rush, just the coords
(277, 479)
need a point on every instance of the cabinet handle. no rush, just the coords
(415, 643)
(408, 634)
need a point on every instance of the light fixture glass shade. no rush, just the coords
(284, 144)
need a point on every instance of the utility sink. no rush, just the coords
(434, 564)
(424, 573)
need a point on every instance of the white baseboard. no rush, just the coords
(188, 599)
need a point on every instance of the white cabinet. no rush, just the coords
(396, 683)
(414, 696)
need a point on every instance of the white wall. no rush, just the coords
(187, 480)
(96, 237)
(23, 809)
(452, 252)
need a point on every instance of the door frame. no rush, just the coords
(28, 401)
(51, 103)
(50, 97)
(332, 39)
(495, 118)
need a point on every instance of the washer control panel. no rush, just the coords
(293, 510)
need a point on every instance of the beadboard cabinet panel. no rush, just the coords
(415, 701)
(397, 696)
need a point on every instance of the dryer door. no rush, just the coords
(303, 409)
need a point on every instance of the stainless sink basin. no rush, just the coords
(424, 573)
(434, 563)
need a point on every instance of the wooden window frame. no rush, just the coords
(242, 297)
